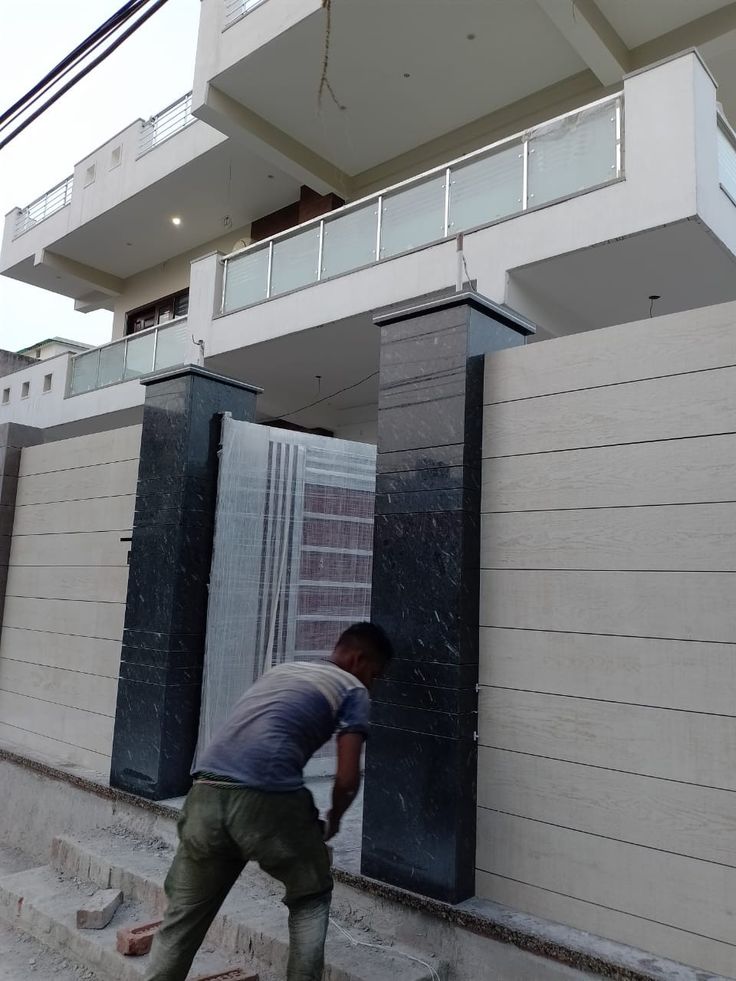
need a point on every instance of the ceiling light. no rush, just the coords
(470, 37)
(407, 74)
(176, 220)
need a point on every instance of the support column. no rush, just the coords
(420, 783)
(163, 642)
(13, 438)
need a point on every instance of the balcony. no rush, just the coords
(166, 123)
(45, 206)
(140, 354)
(570, 155)
(235, 9)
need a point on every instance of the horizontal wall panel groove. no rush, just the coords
(100, 620)
(47, 747)
(673, 817)
(697, 537)
(677, 891)
(682, 946)
(95, 548)
(59, 686)
(682, 406)
(110, 446)
(696, 340)
(671, 674)
(685, 471)
(102, 514)
(87, 655)
(697, 606)
(80, 484)
(74, 726)
(82, 583)
(682, 746)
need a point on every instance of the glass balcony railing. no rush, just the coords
(577, 152)
(161, 347)
(727, 158)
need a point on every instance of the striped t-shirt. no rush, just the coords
(281, 722)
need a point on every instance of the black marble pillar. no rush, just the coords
(420, 784)
(163, 643)
(13, 438)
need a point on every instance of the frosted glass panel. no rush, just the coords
(172, 346)
(413, 217)
(139, 360)
(727, 164)
(576, 153)
(112, 361)
(350, 241)
(295, 261)
(84, 376)
(247, 279)
(486, 189)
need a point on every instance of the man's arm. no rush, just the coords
(347, 779)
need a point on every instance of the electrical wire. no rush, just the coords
(80, 49)
(85, 71)
(324, 398)
(389, 950)
(43, 87)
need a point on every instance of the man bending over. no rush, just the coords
(249, 802)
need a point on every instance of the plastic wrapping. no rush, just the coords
(292, 556)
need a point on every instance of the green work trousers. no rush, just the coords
(221, 829)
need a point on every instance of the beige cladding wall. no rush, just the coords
(65, 603)
(607, 719)
(169, 277)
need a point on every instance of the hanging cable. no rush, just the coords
(324, 398)
(85, 71)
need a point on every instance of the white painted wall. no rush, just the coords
(607, 726)
(44, 409)
(65, 600)
(168, 277)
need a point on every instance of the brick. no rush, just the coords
(229, 974)
(99, 910)
(135, 941)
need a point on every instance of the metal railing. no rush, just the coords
(45, 206)
(569, 155)
(165, 346)
(166, 123)
(235, 9)
(727, 157)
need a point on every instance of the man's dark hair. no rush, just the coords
(368, 636)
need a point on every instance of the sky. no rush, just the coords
(148, 72)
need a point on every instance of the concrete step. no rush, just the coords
(43, 904)
(252, 922)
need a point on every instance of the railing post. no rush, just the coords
(525, 175)
(618, 137)
(321, 249)
(269, 273)
(379, 205)
(447, 202)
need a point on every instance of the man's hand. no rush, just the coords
(347, 779)
(332, 826)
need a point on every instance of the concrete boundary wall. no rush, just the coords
(65, 596)
(607, 722)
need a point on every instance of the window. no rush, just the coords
(116, 157)
(47, 383)
(89, 177)
(6, 396)
(168, 308)
(25, 390)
